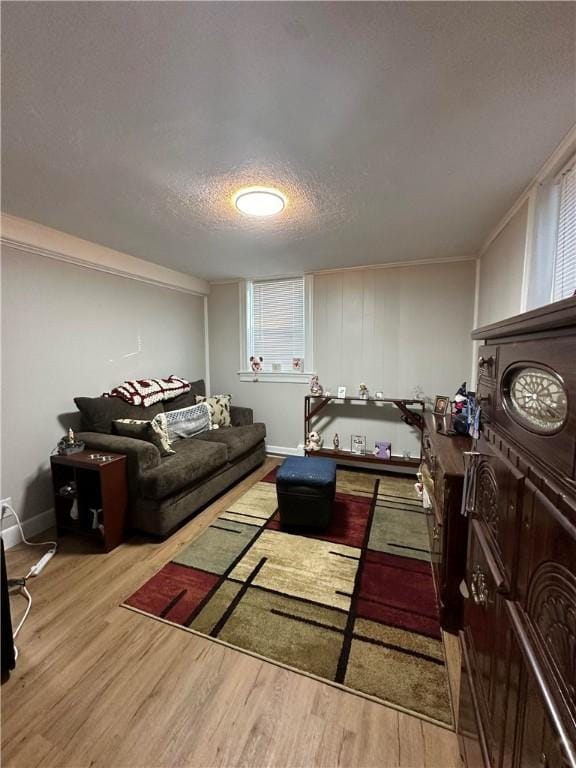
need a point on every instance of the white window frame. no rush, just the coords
(282, 377)
(569, 167)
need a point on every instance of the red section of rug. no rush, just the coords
(348, 525)
(398, 591)
(174, 592)
(271, 476)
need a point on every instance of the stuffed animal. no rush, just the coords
(316, 388)
(256, 363)
(314, 442)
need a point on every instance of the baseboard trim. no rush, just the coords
(32, 526)
(280, 450)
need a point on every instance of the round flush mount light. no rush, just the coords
(259, 201)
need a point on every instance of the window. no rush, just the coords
(275, 323)
(564, 276)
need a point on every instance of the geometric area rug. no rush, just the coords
(353, 605)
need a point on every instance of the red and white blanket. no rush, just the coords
(148, 391)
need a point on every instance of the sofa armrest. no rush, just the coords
(140, 455)
(241, 417)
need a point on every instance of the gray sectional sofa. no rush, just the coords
(163, 492)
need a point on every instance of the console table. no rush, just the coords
(314, 404)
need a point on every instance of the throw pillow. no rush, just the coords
(187, 422)
(219, 406)
(154, 432)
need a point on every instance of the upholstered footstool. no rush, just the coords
(306, 487)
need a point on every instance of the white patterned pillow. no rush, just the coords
(154, 432)
(187, 422)
(219, 406)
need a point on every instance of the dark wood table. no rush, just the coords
(313, 404)
(100, 484)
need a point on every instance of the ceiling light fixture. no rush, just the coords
(259, 201)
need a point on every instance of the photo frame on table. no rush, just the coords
(358, 444)
(341, 392)
(442, 405)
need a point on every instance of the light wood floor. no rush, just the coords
(98, 685)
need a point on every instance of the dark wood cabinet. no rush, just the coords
(518, 685)
(442, 476)
(90, 495)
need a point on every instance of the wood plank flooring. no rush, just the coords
(98, 685)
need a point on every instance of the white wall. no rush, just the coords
(69, 331)
(502, 270)
(394, 329)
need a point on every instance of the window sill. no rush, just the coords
(269, 377)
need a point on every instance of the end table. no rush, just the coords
(90, 495)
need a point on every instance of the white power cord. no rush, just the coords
(36, 569)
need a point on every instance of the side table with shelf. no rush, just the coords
(313, 404)
(100, 484)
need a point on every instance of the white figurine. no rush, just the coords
(314, 442)
(316, 388)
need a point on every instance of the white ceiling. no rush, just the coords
(400, 131)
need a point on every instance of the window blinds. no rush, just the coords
(564, 283)
(276, 330)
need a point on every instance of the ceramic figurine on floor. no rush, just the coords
(314, 442)
(316, 388)
(363, 391)
(336, 442)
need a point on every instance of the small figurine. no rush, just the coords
(256, 363)
(363, 391)
(70, 438)
(336, 442)
(314, 442)
(316, 388)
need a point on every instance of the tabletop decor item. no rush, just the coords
(383, 449)
(316, 388)
(379, 395)
(363, 391)
(358, 444)
(441, 405)
(341, 393)
(336, 442)
(314, 442)
(69, 444)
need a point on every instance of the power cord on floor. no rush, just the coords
(35, 570)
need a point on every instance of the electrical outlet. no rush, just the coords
(3, 505)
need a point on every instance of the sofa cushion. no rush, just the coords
(192, 461)
(238, 440)
(98, 413)
(219, 406)
(155, 432)
(187, 422)
(188, 398)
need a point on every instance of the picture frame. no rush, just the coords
(442, 405)
(298, 364)
(342, 392)
(379, 395)
(358, 444)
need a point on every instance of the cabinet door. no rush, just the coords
(486, 632)
(540, 733)
(497, 503)
(547, 592)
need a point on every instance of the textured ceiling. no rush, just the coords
(399, 131)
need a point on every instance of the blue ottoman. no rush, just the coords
(306, 487)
